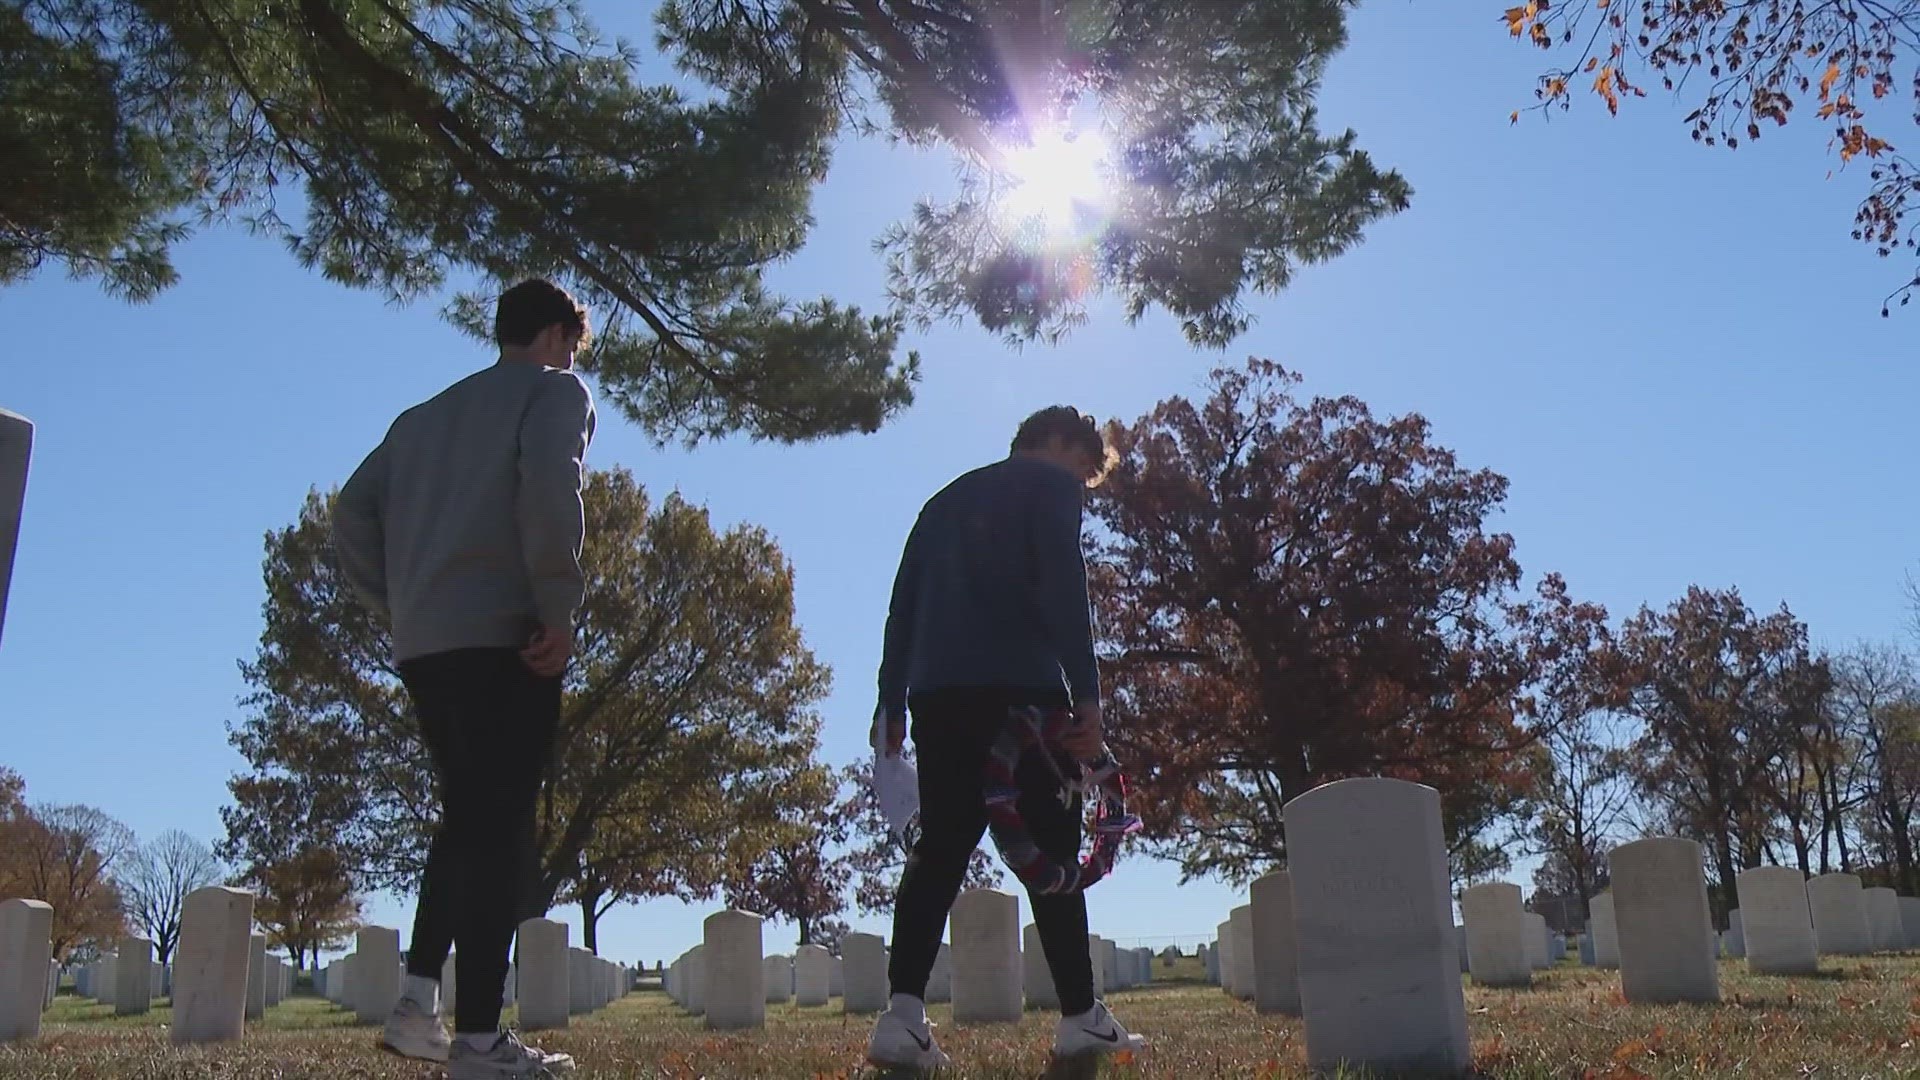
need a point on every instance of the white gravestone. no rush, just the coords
(1910, 921)
(1736, 937)
(1606, 931)
(1276, 963)
(812, 966)
(736, 987)
(449, 980)
(1776, 924)
(276, 979)
(544, 985)
(1496, 935)
(1038, 977)
(778, 978)
(580, 993)
(26, 947)
(1110, 964)
(1537, 941)
(940, 979)
(1240, 960)
(1215, 970)
(864, 963)
(1379, 975)
(53, 980)
(1665, 926)
(985, 924)
(1223, 957)
(377, 973)
(16, 448)
(1839, 906)
(256, 976)
(1097, 956)
(210, 965)
(1883, 919)
(133, 977)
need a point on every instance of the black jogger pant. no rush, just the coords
(489, 726)
(952, 733)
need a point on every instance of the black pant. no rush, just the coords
(489, 726)
(952, 733)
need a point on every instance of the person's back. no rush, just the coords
(993, 604)
(464, 529)
(462, 552)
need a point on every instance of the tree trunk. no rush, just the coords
(590, 924)
(806, 933)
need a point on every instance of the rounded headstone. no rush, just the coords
(1883, 919)
(940, 979)
(544, 983)
(1537, 941)
(1241, 958)
(1276, 963)
(1379, 972)
(1776, 923)
(26, 949)
(210, 965)
(377, 973)
(736, 992)
(985, 924)
(1037, 980)
(133, 977)
(864, 965)
(777, 973)
(1219, 968)
(812, 966)
(1496, 935)
(257, 977)
(1606, 931)
(1910, 921)
(1736, 936)
(1665, 926)
(1839, 907)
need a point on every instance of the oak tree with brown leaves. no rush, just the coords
(1745, 66)
(1721, 692)
(1295, 591)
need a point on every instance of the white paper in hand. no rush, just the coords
(896, 784)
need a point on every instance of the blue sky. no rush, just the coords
(1673, 353)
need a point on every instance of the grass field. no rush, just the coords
(1859, 1019)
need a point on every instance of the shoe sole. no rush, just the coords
(399, 1053)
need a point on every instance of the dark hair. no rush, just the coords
(532, 306)
(1067, 426)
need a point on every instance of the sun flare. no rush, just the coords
(1055, 178)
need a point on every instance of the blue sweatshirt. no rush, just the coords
(992, 589)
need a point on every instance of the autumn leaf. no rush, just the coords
(1515, 118)
(1827, 80)
(1592, 62)
(1518, 17)
(1555, 88)
(1603, 85)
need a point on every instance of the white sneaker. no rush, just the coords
(414, 1032)
(899, 1043)
(1097, 1032)
(507, 1059)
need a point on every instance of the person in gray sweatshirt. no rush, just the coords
(463, 529)
(989, 618)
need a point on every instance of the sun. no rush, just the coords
(1055, 178)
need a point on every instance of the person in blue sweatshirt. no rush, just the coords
(989, 616)
(463, 530)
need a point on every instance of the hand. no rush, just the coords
(892, 724)
(1088, 735)
(548, 651)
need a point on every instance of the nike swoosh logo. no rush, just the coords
(923, 1044)
(1111, 1036)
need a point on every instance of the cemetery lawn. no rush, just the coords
(1861, 1018)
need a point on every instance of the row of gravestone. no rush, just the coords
(985, 973)
(221, 976)
(1666, 953)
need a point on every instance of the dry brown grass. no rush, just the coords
(1861, 1018)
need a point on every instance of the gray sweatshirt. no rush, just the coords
(463, 527)
(992, 589)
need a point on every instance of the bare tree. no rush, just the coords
(155, 883)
